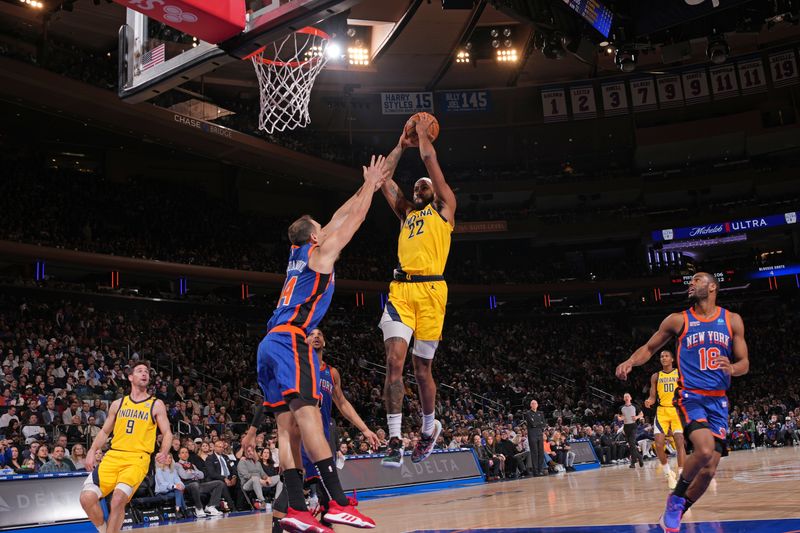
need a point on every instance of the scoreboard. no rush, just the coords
(595, 13)
(724, 276)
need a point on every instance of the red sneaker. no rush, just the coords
(302, 522)
(348, 515)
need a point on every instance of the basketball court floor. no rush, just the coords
(755, 492)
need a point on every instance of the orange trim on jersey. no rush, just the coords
(728, 323)
(290, 391)
(717, 393)
(311, 311)
(314, 379)
(716, 315)
(276, 404)
(296, 365)
(311, 250)
(683, 410)
(287, 328)
(700, 420)
(719, 436)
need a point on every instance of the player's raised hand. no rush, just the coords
(372, 438)
(424, 123)
(406, 141)
(624, 369)
(376, 174)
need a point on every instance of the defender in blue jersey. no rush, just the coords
(288, 367)
(330, 387)
(707, 336)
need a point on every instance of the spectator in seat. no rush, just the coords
(10, 415)
(193, 478)
(91, 429)
(195, 430)
(74, 431)
(50, 416)
(42, 456)
(507, 449)
(78, 456)
(57, 462)
(219, 468)
(28, 466)
(254, 477)
(67, 417)
(33, 431)
(269, 465)
(495, 461)
(168, 483)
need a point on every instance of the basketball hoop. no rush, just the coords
(286, 70)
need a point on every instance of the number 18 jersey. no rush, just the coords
(700, 346)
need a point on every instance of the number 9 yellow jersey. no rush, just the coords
(135, 426)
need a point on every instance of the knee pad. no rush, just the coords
(90, 486)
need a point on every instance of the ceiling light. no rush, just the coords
(626, 60)
(718, 49)
(333, 51)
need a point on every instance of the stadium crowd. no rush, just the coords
(64, 362)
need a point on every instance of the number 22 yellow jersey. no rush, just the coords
(424, 242)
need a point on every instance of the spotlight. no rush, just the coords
(626, 60)
(718, 49)
(507, 43)
(506, 32)
(609, 50)
(462, 56)
(358, 56)
(495, 44)
(507, 56)
(333, 51)
(351, 32)
(494, 33)
(468, 47)
(553, 47)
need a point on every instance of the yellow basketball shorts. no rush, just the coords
(117, 466)
(666, 420)
(420, 306)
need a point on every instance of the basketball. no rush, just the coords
(411, 128)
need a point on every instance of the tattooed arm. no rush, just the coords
(397, 201)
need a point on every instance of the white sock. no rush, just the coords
(427, 423)
(395, 422)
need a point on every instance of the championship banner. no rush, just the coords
(724, 228)
(458, 101)
(695, 87)
(783, 69)
(406, 103)
(643, 94)
(583, 102)
(554, 105)
(615, 99)
(670, 93)
(751, 76)
(724, 83)
(492, 226)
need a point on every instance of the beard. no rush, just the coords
(420, 203)
(698, 296)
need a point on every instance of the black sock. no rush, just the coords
(688, 504)
(681, 486)
(276, 525)
(293, 485)
(281, 503)
(330, 480)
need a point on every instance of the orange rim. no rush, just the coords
(308, 30)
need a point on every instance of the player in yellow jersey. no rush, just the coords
(131, 422)
(418, 294)
(662, 391)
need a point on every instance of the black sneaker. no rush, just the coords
(394, 453)
(425, 444)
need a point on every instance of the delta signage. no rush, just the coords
(724, 228)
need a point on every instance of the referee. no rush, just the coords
(629, 418)
(536, 423)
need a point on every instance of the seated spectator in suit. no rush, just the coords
(57, 463)
(168, 483)
(74, 431)
(193, 477)
(219, 468)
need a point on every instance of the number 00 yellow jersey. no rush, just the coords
(424, 242)
(135, 427)
(665, 387)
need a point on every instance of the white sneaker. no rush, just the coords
(672, 480)
(213, 511)
(200, 513)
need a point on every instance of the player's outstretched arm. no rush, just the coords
(102, 435)
(394, 196)
(341, 233)
(669, 328)
(653, 384)
(349, 412)
(160, 414)
(428, 154)
(741, 356)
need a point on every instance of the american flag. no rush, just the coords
(153, 57)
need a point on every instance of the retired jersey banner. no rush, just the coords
(406, 103)
(783, 69)
(643, 94)
(458, 101)
(695, 86)
(615, 98)
(554, 105)
(751, 76)
(670, 93)
(583, 103)
(724, 83)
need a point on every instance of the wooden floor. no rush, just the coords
(750, 485)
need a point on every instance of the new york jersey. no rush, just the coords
(326, 391)
(306, 294)
(700, 346)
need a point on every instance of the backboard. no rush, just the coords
(155, 57)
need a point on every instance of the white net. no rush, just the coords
(286, 72)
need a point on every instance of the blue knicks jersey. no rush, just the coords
(306, 294)
(700, 346)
